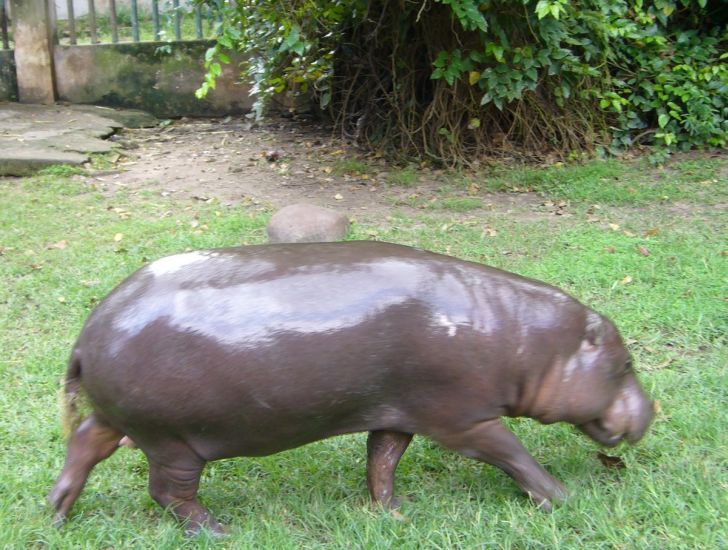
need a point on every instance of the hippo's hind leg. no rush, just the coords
(492, 442)
(174, 477)
(91, 443)
(384, 449)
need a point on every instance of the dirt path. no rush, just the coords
(280, 163)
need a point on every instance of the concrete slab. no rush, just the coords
(35, 136)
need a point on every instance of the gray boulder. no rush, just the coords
(307, 223)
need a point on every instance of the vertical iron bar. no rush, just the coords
(92, 21)
(112, 20)
(155, 20)
(198, 21)
(134, 21)
(71, 22)
(210, 20)
(4, 26)
(177, 28)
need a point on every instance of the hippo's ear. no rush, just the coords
(595, 330)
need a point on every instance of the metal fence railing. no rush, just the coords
(4, 34)
(114, 21)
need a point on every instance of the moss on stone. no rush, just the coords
(158, 77)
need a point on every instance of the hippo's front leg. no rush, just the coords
(492, 442)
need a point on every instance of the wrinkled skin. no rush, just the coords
(254, 350)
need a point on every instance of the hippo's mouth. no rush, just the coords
(596, 430)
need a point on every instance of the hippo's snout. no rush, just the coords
(627, 418)
(641, 420)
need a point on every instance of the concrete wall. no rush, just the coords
(8, 83)
(143, 76)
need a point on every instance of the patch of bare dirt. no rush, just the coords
(284, 162)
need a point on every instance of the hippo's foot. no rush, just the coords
(199, 525)
(127, 441)
(492, 442)
(92, 442)
(384, 449)
(544, 492)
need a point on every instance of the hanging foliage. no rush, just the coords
(456, 80)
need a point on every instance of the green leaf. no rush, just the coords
(441, 59)
(663, 119)
(542, 9)
(226, 42)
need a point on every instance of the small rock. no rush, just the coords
(302, 223)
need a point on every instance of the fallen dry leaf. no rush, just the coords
(626, 280)
(643, 250)
(610, 249)
(60, 245)
(118, 237)
(611, 461)
(652, 232)
(614, 226)
(662, 365)
(272, 155)
(338, 197)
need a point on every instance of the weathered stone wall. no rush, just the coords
(8, 83)
(158, 77)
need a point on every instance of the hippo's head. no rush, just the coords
(627, 417)
(597, 390)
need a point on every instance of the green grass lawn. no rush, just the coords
(656, 267)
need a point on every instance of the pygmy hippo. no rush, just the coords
(254, 350)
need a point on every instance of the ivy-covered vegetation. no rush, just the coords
(456, 80)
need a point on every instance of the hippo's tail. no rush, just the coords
(72, 396)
